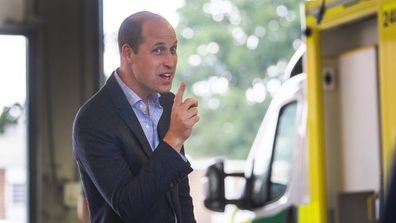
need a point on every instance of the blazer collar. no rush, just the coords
(126, 113)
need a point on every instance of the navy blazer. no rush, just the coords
(123, 179)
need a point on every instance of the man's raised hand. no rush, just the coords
(183, 118)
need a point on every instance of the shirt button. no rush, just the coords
(147, 126)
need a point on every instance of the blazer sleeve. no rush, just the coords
(97, 151)
(186, 204)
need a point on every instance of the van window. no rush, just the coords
(270, 183)
(281, 165)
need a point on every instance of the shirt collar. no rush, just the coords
(131, 96)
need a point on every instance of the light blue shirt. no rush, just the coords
(148, 115)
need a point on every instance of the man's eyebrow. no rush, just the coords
(163, 43)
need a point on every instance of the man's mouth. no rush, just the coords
(166, 76)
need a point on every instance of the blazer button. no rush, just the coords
(171, 185)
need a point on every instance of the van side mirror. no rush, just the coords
(214, 187)
(215, 199)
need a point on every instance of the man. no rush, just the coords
(128, 138)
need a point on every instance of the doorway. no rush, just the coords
(13, 129)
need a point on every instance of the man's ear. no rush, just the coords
(127, 52)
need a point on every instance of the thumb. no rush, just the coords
(179, 93)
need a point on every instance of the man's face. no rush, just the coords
(153, 67)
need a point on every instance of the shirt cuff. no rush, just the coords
(183, 157)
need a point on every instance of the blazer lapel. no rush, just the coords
(127, 114)
(163, 124)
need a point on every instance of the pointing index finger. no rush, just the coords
(179, 93)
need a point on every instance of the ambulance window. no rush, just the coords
(271, 175)
(281, 165)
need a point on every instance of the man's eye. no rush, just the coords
(158, 50)
(173, 49)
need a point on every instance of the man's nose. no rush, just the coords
(170, 60)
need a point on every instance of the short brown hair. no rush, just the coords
(130, 31)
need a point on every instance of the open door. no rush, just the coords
(359, 154)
